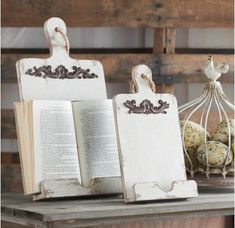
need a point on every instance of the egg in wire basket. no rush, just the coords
(209, 151)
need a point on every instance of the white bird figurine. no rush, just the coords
(213, 73)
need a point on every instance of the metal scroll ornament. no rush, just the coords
(61, 72)
(209, 149)
(146, 107)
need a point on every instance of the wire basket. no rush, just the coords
(209, 152)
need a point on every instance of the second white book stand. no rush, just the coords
(149, 141)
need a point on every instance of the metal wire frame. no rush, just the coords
(212, 93)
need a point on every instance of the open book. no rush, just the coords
(64, 139)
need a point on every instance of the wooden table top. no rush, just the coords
(112, 210)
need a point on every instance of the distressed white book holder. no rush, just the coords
(60, 77)
(149, 143)
(71, 187)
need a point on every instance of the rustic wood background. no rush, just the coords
(176, 68)
(180, 67)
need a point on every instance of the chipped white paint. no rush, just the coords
(71, 187)
(38, 87)
(152, 191)
(150, 147)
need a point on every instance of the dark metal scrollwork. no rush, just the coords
(61, 72)
(146, 107)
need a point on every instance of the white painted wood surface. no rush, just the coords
(38, 87)
(150, 148)
(152, 191)
(72, 187)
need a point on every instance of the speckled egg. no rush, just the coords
(221, 131)
(194, 135)
(216, 151)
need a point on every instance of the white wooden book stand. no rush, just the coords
(59, 76)
(149, 143)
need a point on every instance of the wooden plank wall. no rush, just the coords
(129, 13)
(169, 66)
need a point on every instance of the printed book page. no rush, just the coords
(55, 145)
(96, 137)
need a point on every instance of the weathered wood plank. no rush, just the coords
(112, 210)
(209, 222)
(170, 49)
(9, 222)
(8, 128)
(158, 48)
(169, 88)
(160, 13)
(158, 40)
(170, 40)
(11, 180)
(178, 68)
(8, 158)
(224, 51)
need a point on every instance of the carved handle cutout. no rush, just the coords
(56, 33)
(142, 80)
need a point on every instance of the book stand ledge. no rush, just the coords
(151, 191)
(71, 187)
